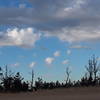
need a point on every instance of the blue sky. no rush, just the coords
(48, 36)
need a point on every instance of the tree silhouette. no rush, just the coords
(39, 83)
(68, 72)
(92, 69)
(1, 76)
(57, 84)
(89, 69)
(6, 72)
(18, 82)
(32, 80)
(11, 82)
(95, 68)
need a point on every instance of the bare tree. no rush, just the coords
(68, 72)
(89, 69)
(1, 74)
(92, 69)
(32, 79)
(6, 72)
(95, 67)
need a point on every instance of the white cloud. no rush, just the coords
(49, 60)
(76, 6)
(15, 65)
(68, 52)
(66, 61)
(77, 34)
(57, 53)
(32, 64)
(69, 20)
(25, 37)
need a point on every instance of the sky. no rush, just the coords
(48, 36)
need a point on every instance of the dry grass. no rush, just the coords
(56, 94)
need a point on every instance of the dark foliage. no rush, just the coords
(10, 82)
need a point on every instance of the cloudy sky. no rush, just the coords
(48, 36)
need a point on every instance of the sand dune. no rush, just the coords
(56, 94)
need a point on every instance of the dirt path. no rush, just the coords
(57, 94)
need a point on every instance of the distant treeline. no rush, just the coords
(10, 82)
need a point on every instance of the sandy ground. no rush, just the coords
(56, 94)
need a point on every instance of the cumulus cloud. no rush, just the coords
(25, 37)
(57, 53)
(77, 34)
(32, 64)
(69, 20)
(66, 61)
(49, 60)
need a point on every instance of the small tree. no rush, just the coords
(1, 77)
(39, 83)
(57, 84)
(89, 69)
(92, 69)
(32, 80)
(1, 74)
(6, 71)
(17, 84)
(68, 72)
(95, 67)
